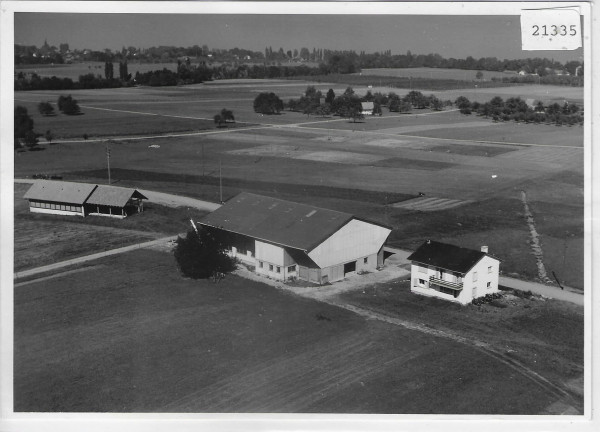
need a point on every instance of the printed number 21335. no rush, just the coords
(554, 30)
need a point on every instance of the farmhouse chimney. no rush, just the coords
(484, 249)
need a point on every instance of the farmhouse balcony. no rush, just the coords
(457, 286)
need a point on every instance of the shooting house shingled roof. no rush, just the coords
(59, 191)
(286, 223)
(447, 256)
(113, 196)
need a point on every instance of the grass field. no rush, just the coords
(436, 73)
(92, 341)
(357, 167)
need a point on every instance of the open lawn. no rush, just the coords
(545, 335)
(45, 239)
(436, 73)
(94, 342)
(359, 167)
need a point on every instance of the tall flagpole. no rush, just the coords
(220, 184)
(108, 161)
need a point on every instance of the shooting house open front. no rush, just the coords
(452, 272)
(286, 240)
(82, 199)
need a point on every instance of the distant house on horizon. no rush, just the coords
(453, 273)
(287, 240)
(367, 108)
(83, 199)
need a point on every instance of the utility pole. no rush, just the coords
(220, 184)
(108, 161)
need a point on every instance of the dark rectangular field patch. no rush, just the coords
(407, 163)
(473, 150)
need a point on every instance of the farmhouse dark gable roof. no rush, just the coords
(58, 191)
(273, 220)
(447, 256)
(113, 196)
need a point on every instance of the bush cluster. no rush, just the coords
(488, 298)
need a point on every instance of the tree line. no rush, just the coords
(516, 109)
(348, 104)
(347, 61)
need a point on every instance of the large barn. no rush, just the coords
(82, 199)
(287, 240)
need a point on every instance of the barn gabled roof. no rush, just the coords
(113, 196)
(273, 220)
(59, 191)
(447, 256)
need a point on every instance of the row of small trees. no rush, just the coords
(517, 109)
(348, 104)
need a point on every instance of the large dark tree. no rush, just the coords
(68, 105)
(330, 97)
(23, 126)
(268, 103)
(45, 108)
(201, 254)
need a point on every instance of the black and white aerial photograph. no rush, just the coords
(296, 208)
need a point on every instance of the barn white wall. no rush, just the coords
(58, 212)
(356, 239)
(269, 253)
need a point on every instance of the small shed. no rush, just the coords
(59, 197)
(367, 108)
(114, 201)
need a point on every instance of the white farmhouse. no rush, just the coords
(288, 240)
(453, 273)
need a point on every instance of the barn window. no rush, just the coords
(270, 267)
(278, 269)
(474, 276)
(260, 264)
(291, 269)
(366, 260)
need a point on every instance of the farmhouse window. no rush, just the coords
(278, 269)
(422, 282)
(474, 276)
(291, 269)
(489, 269)
(366, 260)
(260, 264)
(489, 284)
(270, 267)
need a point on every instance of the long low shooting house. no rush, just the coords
(287, 240)
(82, 199)
(452, 272)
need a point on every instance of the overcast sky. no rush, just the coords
(449, 36)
